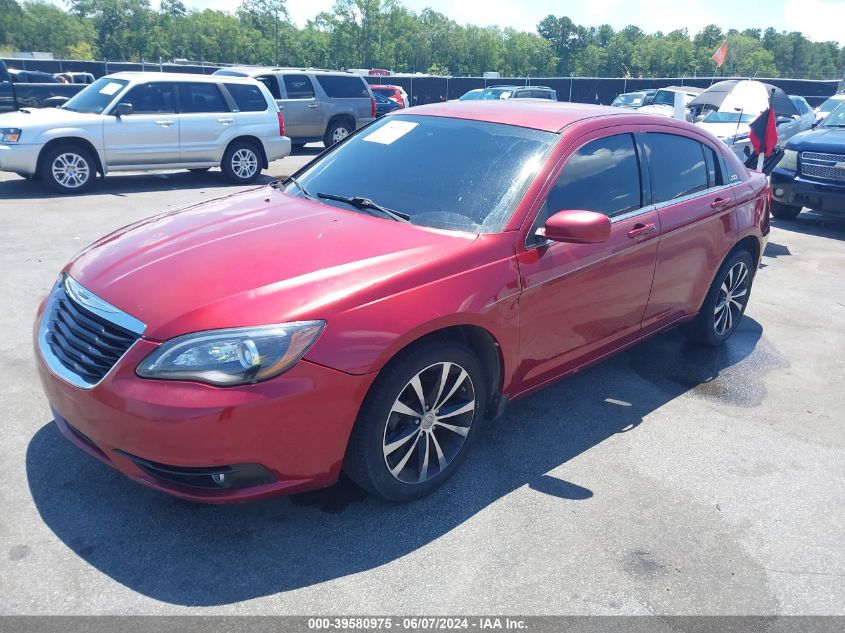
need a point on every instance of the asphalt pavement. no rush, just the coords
(669, 479)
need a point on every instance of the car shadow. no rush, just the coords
(202, 555)
(125, 184)
(814, 223)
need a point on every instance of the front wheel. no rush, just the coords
(241, 162)
(68, 169)
(417, 423)
(725, 303)
(784, 211)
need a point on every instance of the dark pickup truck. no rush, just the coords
(811, 172)
(14, 96)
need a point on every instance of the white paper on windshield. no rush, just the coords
(390, 132)
(110, 88)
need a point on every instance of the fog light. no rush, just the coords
(779, 192)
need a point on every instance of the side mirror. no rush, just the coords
(123, 109)
(577, 227)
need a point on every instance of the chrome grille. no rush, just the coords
(823, 166)
(81, 336)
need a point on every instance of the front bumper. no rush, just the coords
(295, 426)
(794, 190)
(20, 158)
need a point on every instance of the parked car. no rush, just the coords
(664, 100)
(384, 105)
(630, 100)
(374, 311)
(31, 77)
(318, 105)
(811, 172)
(828, 106)
(14, 96)
(396, 93)
(130, 121)
(75, 77)
(518, 92)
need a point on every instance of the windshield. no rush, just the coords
(830, 104)
(443, 173)
(835, 118)
(472, 95)
(714, 116)
(96, 97)
(496, 93)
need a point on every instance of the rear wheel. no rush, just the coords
(336, 132)
(417, 423)
(725, 303)
(785, 211)
(241, 162)
(68, 169)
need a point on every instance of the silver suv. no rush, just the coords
(318, 105)
(130, 121)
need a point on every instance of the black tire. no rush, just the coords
(199, 170)
(68, 168)
(379, 425)
(241, 162)
(336, 132)
(784, 211)
(712, 327)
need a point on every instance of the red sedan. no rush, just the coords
(372, 312)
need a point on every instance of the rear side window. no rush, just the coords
(272, 85)
(247, 98)
(152, 98)
(677, 166)
(343, 87)
(298, 87)
(603, 176)
(201, 98)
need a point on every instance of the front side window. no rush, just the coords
(152, 98)
(444, 173)
(677, 166)
(201, 97)
(96, 97)
(298, 87)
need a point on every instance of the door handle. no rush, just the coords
(225, 121)
(164, 122)
(720, 203)
(640, 229)
(313, 105)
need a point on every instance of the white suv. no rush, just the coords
(130, 121)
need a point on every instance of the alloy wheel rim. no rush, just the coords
(428, 423)
(70, 170)
(244, 163)
(340, 134)
(730, 303)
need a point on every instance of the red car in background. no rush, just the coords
(395, 93)
(375, 310)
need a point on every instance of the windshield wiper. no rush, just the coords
(365, 204)
(304, 191)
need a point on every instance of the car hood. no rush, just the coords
(28, 117)
(256, 258)
(827, 140)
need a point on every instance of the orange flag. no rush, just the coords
(721, 53)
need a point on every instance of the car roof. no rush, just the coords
(157, 76)
(258, 70)
(539, 114)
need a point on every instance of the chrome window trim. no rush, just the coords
(94, 304)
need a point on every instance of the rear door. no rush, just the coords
(302, 110)
(148, 136)
(698, 226)
(205, 122)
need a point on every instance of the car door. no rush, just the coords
(302, 111)
(581, 301)
(150, 134)
(206, 122)
(696, 207)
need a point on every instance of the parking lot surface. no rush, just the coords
(669, 479)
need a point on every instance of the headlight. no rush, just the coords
(789, 160)
(234, 356)
(10, 134)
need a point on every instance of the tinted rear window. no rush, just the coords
(677, 166)
(340, 87)
(247, 98)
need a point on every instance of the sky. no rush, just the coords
(820, 20)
